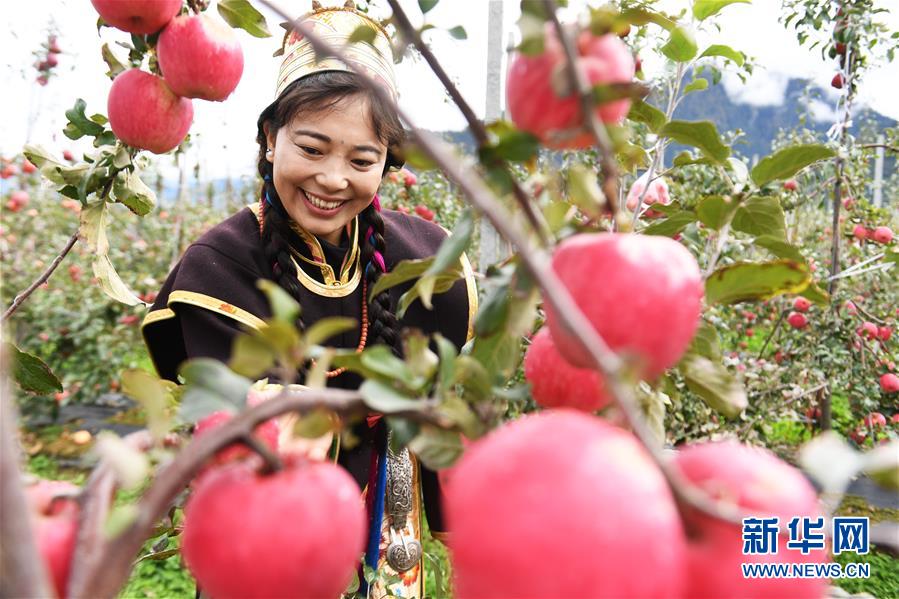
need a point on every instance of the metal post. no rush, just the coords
(878, 173)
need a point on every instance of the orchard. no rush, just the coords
(680, 370)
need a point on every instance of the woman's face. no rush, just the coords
(327, 166)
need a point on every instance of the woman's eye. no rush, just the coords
(363, 163)
(310, 150)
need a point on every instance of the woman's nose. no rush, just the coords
(332, 177)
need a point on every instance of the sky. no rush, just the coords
(224, 132)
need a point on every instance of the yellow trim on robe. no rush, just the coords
(216, 305)
(472, 287)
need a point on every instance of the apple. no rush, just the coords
(889, 382)
(145, 114)
(791, 185)
(779, 356)
(556, 383)
(8, 171)
(54, 516)
(641, 293)
(28, 167)
(409, 178)
(18, 200)
(758, 484)
(858, 436)
(875, 419)
(142, 17)
(539, 94)
(850, 308)
(562, 504)
(860, 232)
(882, 235)
(75, 273)
(884, 333)
(848, 203)
(267, 432)
(801, 304)
(656, 194)
(200, 57)
(838, 81)
(424, 212)
(894, 419)
(297, 532)
(67, 155)
(797, 320)
(868, 330)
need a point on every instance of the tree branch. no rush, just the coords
(884, 146)
(21, 297)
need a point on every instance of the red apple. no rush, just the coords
(409, 178)
(540, 102)
(562, 504)
(142, 17)
(760, 485)
(894, 419)
(28, 167)
(75, 273)
(882, 235)
(54, 516)
(859, 436)
(144, 113)
(296, 533)
(200, 57)
(797, 320)
(267, 432)
(424, 212)
(642, 294)
(884, 333)
(556, 383)
(8, 171)
(868, 330)
(656, 194)
(801, 304)
(860, 232)
(848, 203)
(889, 382)
(791, 185)
(875, 419)
(19, 198)
(838, 81)
(67, 155)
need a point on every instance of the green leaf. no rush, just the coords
(326, 328)
(426, 287)
(715, 211)
(419, 357)
(705, 342)
(750, 281)
(642, 112)
(508, 143)
(703, 9)
(779, 247)
(153, 396)
(714, 384)
(672, 225)
(111, 283)
(383, 398)
(696, 85)
(447, 354)
(785, 163)
(685, 159)
(681, 47)
(31, 373)
(79, 125)
(128, 189)
(458, 32)
(211, 386)
(403, 272)
(251, 356)
(725, 52)
(315, 424)
(284, 307)
(700, 134)
(452, 248)
(760, 215)
(426, 5)
(380, 360)
(363, 34)
(584, 191)
(437, 448)
(241, 14)
(112, 61)
(815, 293)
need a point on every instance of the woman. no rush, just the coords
(319, 232)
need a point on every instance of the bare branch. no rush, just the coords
(21, 297)
(884, 146)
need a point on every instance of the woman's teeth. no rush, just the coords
(320, 203)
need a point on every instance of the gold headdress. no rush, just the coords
(335, 25)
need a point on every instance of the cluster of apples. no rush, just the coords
(882, 234)
(657, 193)
(797, 318)
(50, 60)
(199, 57)
(841, 37)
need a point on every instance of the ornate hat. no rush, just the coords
(336, 25)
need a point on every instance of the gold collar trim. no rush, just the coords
(350, 259)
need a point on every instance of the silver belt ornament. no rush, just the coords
(404, 552)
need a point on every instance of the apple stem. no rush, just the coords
(272, 461)
(401, 20)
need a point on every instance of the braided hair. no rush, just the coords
(318, 92)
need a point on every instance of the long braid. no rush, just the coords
(383, 325)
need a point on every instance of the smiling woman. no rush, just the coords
(320, 233)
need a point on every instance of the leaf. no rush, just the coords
(211, 386)
(31, 373)
(672, 225)
(652, 405)
(458, 32)
(882, 465)
(703, 9)
(119, 519)
(715, 211)
(714, 384)
(785, 163)
(112, 61)
(79, 125)
(760, 215)
(284, 307)
(780, 248)
(700, 134)
(251, 356)
(696, 85)
(815, 293)
(745, 281)
(508, 143)
(426, 5)
(241, 14)
(128, 189)
(380, 360)
(831, 462)
(403, 272)
(129, 465)
(685, 159)
(681, 47)
(111, 283)
(363, 34)
(453, 246)
(584, 191)
(326, 328)
(705, 342)
(315, 424)
(152, 395)
(725, 52)
(642, 112)
(383, 398)
(437, 448)
(447, 353)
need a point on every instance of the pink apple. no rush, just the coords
(797, 320)
(801, 304)
(200, 57)
(556, 383)
(145, 114)
(875, 419)
(28, 167)
(889, 382)
(54, 513)
(656, 194)
(142, 17)
(868, 330)
(884, 333)
(860, 232)
(791, 185)
(882, 235)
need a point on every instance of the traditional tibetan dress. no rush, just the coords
(211, 295)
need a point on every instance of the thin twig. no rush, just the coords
(21, 297)
(474, 124)
(772, 333)
(884, 146)
(272, 461)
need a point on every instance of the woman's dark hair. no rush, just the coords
(315, 93)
